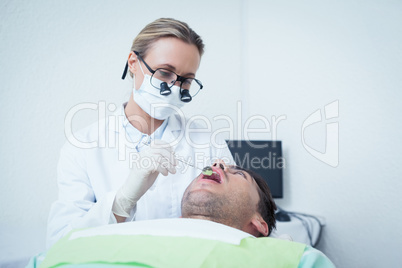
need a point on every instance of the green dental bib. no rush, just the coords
(167, 251)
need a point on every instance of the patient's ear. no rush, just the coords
(258, 227)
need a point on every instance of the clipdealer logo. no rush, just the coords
(236, 128)
(331, 154)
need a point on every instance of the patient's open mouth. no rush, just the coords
(214, 177)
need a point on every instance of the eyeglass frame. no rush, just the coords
(181, 79)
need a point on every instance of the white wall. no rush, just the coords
(285, 58)
(314, 53)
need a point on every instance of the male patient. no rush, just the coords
(232, 196)
(222, 214)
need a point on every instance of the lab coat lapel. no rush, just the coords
(118, 132)
(174, 132)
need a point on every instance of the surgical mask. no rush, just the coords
(153, 103)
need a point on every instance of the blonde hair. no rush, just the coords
(165, 27)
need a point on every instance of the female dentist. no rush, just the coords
(120, 179)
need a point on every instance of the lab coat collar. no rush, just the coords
(124, 123)
(171, 129)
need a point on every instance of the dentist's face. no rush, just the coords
(169, 53)
(228, 196)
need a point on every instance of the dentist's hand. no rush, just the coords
(158, 158)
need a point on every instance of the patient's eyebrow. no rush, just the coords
(237, 168)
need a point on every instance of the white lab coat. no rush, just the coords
(89, 178)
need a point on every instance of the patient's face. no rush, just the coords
(229, 196)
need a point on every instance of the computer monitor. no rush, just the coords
(263, 157)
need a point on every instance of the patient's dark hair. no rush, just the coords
(266, 207)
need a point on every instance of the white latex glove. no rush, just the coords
(158, 158)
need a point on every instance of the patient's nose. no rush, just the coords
(220, 163)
